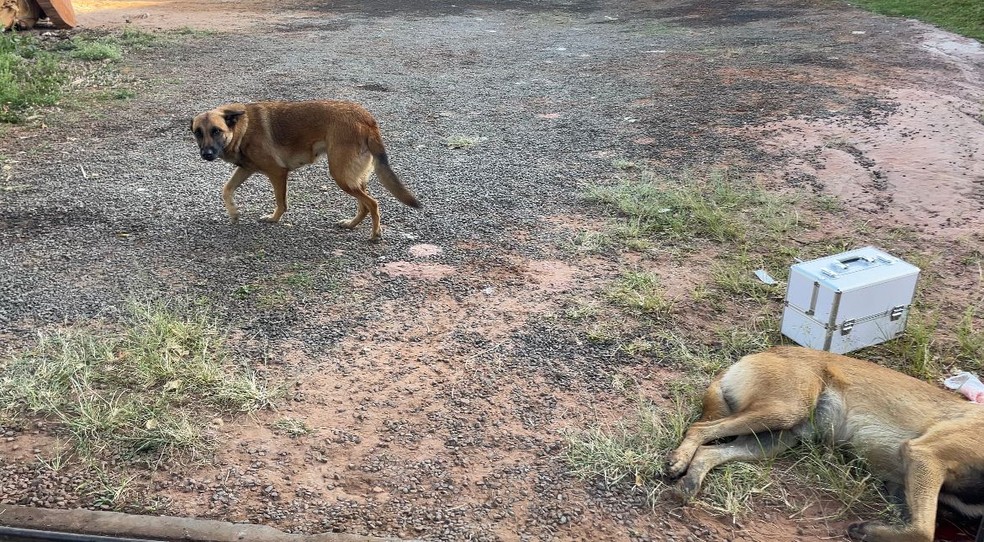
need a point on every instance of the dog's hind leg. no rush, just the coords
(744, 448)
(360, 214)
(760, 417)
(714, 408)
(229, 190)
(368, 205)
(361, 211)
(278, 179)
(350, 167)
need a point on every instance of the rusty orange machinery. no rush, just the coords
(24, 14)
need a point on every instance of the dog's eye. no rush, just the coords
(216, 132)
(198, 133)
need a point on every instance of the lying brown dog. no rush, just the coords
(913, 434)
(274, 138)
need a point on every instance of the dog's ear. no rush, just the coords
(231, 115)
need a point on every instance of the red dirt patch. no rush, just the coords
(417, 270)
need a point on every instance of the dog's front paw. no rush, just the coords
(234, 218)
(270, 219)
(345, 224)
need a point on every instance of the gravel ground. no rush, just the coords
(437, 385)
(127, 202)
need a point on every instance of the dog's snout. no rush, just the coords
(208, 154)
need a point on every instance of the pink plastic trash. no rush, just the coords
(968, 384)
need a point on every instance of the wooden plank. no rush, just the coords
(60, 12)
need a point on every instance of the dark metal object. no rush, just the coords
(13, 534)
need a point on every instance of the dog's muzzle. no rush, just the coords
(209, 154)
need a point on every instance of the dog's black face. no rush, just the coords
(213, 130)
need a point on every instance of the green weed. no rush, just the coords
(591, 242)
(109, 490)
(118, 94)
(291, 427)
(834, 474)
(641, 291)
(189, 31)
(970, 339)
(735, 277)
(633, 452)
(34, 75)
(133, 38)
(245, 291)
(29, 77)
(961, 16)
(145, 391)
(916, 351)
(828, 204)
(95, 50)
(719, 208)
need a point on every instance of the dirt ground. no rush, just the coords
(437, 369)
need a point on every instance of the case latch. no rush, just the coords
(897, 312)
(847, 326)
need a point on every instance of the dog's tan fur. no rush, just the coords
(275, 138)
(914, 435)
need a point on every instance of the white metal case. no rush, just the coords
(848, 301)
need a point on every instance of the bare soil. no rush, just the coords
(438, 370)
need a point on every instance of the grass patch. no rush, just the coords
(701, 362)
(119, 94)
(111, 46)
(719, 207)
(632, 455)
(96, 50)
(964, 17)
(932, 346)
(736, 226)
(591, 242)
(970, 339)
(633, 452)
(144, 391)
(189, 31)
(29, 77)
(292, 427)
(733, 273)
(641, 291)
(915, 352)
(36, 74)
(839, 476)
(132, 38)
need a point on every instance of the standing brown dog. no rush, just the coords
(913, 434)
(275, 138)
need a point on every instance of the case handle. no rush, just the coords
(846, 262)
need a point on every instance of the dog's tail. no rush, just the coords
(386, 175)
